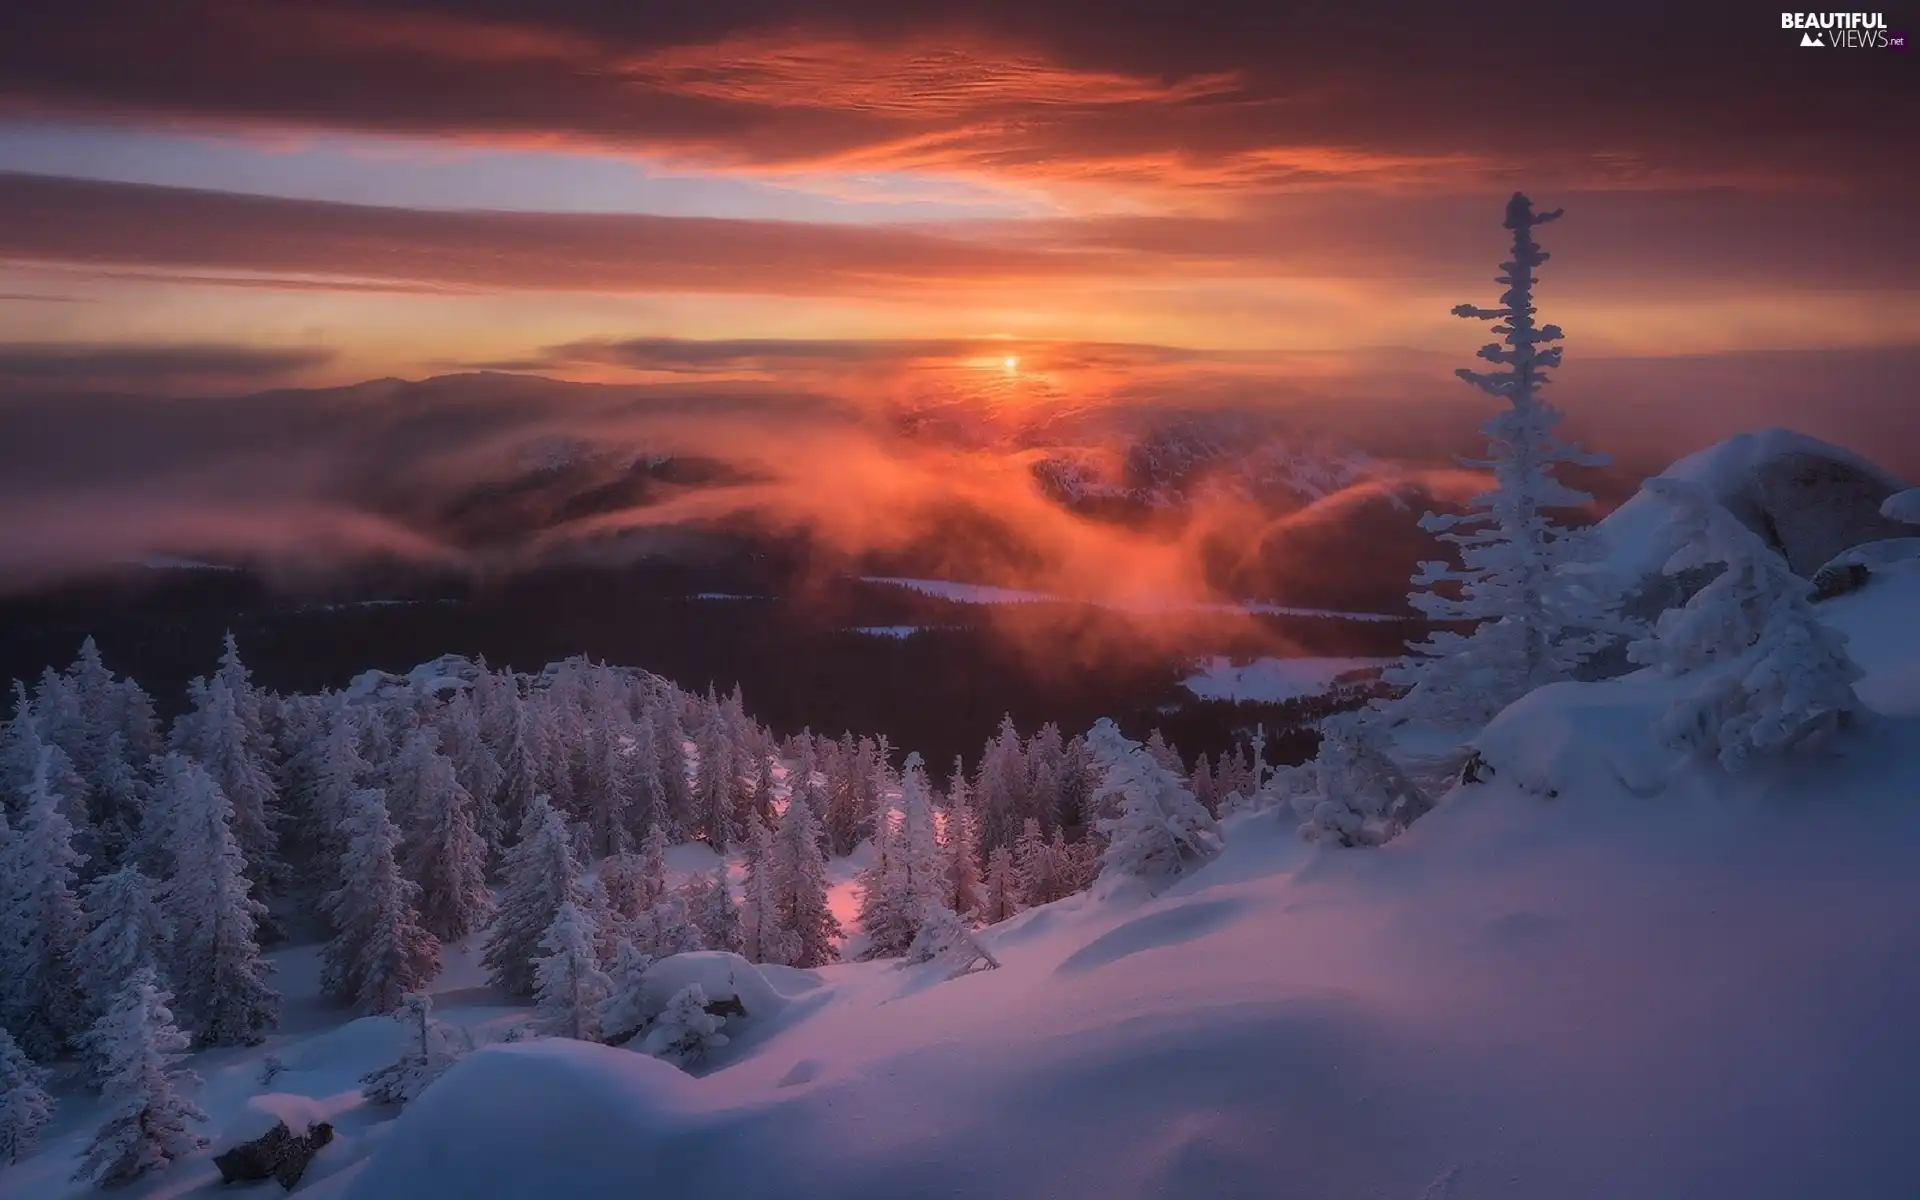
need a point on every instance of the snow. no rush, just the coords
(981, 593)
(1599, 973)
(724, 596)
(1635, 534)
(1903, 506)
(1272, 680)
(169, 562)
(900, 632)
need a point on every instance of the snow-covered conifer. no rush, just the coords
(966, 888)
(1000, 790)
(434, 1046)
(620, 880)
(222, 977)
(1770, 675)
(1351, 793)
(906, 873)
(25, 1106)
(541, 875)
(715, 913)
(1002, 898)
(653, 867)
(1535, 622)
(473, 764)
(685, 1032)
(799, 879)
(126, 930)
(1033, 863)
(41, 922)
(764, 939)
(667, 927)
(1160, 832)
(381, 953)
(445, 854)
(715, 787)
(149, 1125)
(624, 1012)
(943, 937)
(569, 986)
(220, 735)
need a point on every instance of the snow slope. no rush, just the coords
(1693, 986)
(1656, 982)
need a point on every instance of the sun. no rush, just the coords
(1012, 364)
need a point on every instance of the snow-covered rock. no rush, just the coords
(722, 976)
(1903, 506)
(1810, 500)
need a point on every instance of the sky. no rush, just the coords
(1036, 202)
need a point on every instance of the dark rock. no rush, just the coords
(278, 1154)
(1838, 579)
(726, 1006)
(1811, 507)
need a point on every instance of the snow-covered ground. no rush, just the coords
(1272, 680)
(981, 593)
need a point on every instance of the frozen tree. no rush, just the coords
(763, 937)
(715, 913)
(1770, 675)
(611, 792)
(647, 810)
(1000, 789)
(620, 879)
(25, 1106)
(473, 763)
(715, 787)
(677, 789)
(41, 923)
(685, 1032)
(1534, 621)
(1035, 866)
(335, 774)
(907, 872)
(218, 735)
(148, 1125)
(799, 879)
(1351, 793)
(966, 893)
(541, 875)
(668, 927)
(1002, 899)
(434, 1046)
(125, 931)
(381, 953)
(207, 899)
(1902, 506)
(624, 1012)
(1160, 832)
(944, 938)
(569, 986)
(518, 753)
(653, 867)
(445, 855)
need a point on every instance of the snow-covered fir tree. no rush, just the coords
(943, 937)
(150, 1122)
(763, 937)
(225, 733)
(25, 1105)
(799, 879)
(332, 772)
(1160, 832)
(966, 887)
(715, 913)
(1534, 621)
(624, 1012)
(667, 927)
(541, 875)
(653, 867)
(432, 1047)
(474, 766)
(685, 1032)
(715, 787)
(906, 873)
(1002, 895)
(41, 923)
(216, 959)
(380, 951)
(1035, 866)
(1000, 789)
(610, 799)
(619, 879)
(445, 852)
(1769, 675)
(126, 930)
(1352, 793)
(569, 986)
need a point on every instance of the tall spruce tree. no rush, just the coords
(381, 953)
(541, 874)
(1533, 621)
(150, 1123)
